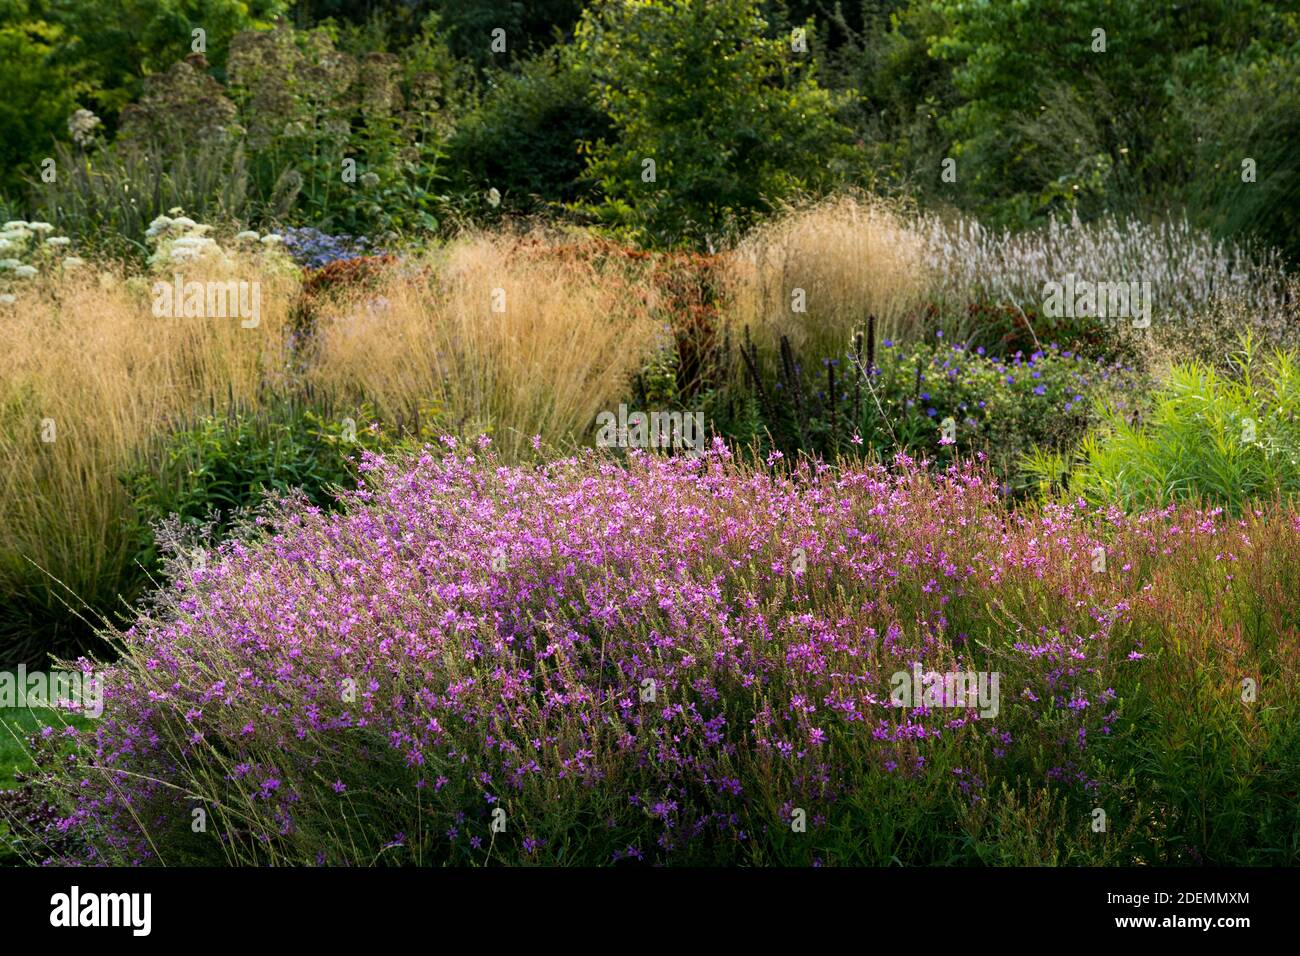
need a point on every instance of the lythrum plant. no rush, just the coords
(692, 660)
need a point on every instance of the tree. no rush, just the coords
(58, 55)
(39, 96)
(1071, 103)
(716, 121)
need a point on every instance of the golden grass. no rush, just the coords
(86, 352)
(562, 349)
(851, 256)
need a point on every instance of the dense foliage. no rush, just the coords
(1050, 108)
(983, 319)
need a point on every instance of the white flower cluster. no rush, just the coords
(81, 126)
(178, 239)
(21, 240)
(270, 239)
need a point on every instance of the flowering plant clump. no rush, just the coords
(177, 241)
(26, 248)
(177, 238)
(1190, 271)
(315, 249)
(675, 660)
(1002, 407)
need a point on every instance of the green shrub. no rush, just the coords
(524, 139)
(1228, 439)
(1001, 408)
(40, 95)
(212, 472)
(302, 132)
(55, 57)
(1254, 105)
(1047, 122)
(732, 119)
(529, 27)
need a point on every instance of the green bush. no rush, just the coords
(211, 473)
(1227, 439)
(731, 118)
(899, 91)
(40, 95)
(57, 56)
(1000, 407)
(1040, 123)
(525, 137)
(303, 132)
(529, 25)
(1255, 106)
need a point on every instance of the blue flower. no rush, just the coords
(315, 249)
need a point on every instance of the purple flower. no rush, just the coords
(649, 652)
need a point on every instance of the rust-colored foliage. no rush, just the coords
(344, 277)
